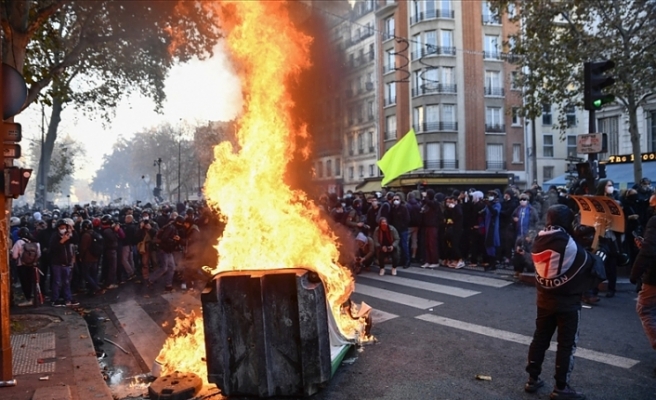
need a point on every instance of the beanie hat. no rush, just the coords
(361, 237)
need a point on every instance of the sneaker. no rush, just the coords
(183, 286)
(532, 385)
(25, 303)
(112, 286)
(394, 271)
(58, 304)
(566, 394)
(460, 264)
(72, 303)
(427, 265)
(433, 265)
(381, 272)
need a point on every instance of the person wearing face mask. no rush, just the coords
(492, 238)
(525, 217)
(507, 227)
(62, 256)
(338, 214)
(372, 212)
(355, 219)
(453, 223)
(399, 218)
(386, 241)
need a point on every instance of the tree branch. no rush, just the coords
(42, 15)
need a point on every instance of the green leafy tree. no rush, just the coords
(557, 37)
(93, 53)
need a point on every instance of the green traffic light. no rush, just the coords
(597, 103)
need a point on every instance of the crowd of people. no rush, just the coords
(90, 249)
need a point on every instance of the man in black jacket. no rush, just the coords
(563, 273)
(644, 268)
(62, 256)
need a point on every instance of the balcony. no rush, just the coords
(494, 91)
(491, 19)
(371, 149)
(436, 126)
(495, 165)
(492, 55)
(390, 101)
(388, 68)
(431, 50)
(432, 14)
(432, 88)
(495, 128)
(390, 135)
(441, 164)
(360, 150)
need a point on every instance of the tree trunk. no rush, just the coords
(51, 137)
(632, 110)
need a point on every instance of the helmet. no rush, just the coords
(69, 222)
(24, 232)
(106, 219)
(95, 222)
(86, 225)
(560, 215)
(14, 221)
(61, 222)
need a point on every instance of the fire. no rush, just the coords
(269, 225)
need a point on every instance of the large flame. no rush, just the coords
(269, 225)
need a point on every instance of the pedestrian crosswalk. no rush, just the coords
(418, 289)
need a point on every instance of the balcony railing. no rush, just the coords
(430, 50)
(388, 68)
(432, 14)
(441, 164)
(431, 88)
(492, 55)
(497, 128)
(389, 135)
(436, 126)
(491, 19)
(495, 165)
(390, 100)
(494, 91)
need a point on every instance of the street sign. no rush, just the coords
(589, 143)
(11, 132)
(12, 151)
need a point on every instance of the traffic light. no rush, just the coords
(156, 192)
(16, 180)
(594, 83)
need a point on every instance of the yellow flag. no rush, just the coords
(403, 157)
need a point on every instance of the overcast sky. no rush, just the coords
(198, 91)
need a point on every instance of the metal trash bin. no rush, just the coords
(266, 333)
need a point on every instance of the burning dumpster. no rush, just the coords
(266, 333)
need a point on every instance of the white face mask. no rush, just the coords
(610, 189)
(451, 205)
(491, 198)
(62, 231)
(523, 202)
(397, 202)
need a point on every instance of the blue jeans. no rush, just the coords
(166, 269)
(405, 250)
(61, 278)
(646, 308)
(89, 271)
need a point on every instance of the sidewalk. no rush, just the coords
(53, 357)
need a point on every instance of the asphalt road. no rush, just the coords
(435, 332)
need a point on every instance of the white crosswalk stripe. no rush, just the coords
(417, 284)
(460, 277)
(395, 297)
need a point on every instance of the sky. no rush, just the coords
(197, 92)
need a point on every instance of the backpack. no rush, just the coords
(96, 248)
(30, 254)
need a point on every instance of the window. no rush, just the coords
(546, 114)
(371, 170)
(351, 145)
(432, 160)
(610, 126)
(547, 146)
(370, 141)
(489, 17)
(651, 130)
(516, 119)
(517, 153)
(370, 110)
(493, 116)
(360, 143)
(351, 172)
(390, 127)
(514, 85)
(511, 10)
(446, 41)
(389, 62)
(547, 173)
(431, 81)
(571, 146)
(570, 113)
(449, 117)
(432, 117)
(320, 169)
(448, 77)
(494, 154)
(430, 41)
(418, 118)
(371, 52)
(329, 168)
(361, 171)
(416, 46)
(491, 49)
(389, 28)
(430, 8)
(338, 166)
(493, 83)
(390, 92)
(450, 160)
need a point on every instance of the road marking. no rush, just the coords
(587, 354)
(146, 335)
(394, 297)
(379, 316)
(183, 300)
(455, 276)
(432, 287)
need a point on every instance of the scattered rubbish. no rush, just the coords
(483, 377)
(44, 378)
(349, 361)
(84, 336)
(117, 345)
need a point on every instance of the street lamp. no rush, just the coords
(179, 161)
(158, 188)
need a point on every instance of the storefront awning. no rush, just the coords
(368, 186)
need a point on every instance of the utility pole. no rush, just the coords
(179, 164)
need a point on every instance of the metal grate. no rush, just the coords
(29, 349)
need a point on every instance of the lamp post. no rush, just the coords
(158, 188)
(179, 163)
